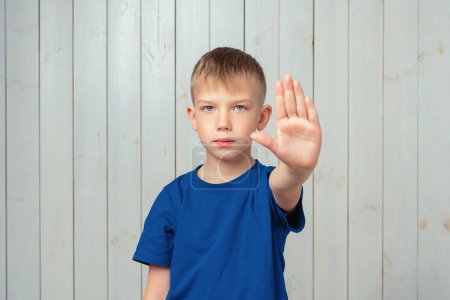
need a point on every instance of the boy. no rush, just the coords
(221, 228)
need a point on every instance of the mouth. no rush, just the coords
(223, 142)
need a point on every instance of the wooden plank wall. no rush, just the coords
(433, 142)
(55, 140)
(400, 152)
(330, 198)
(22, 152)
(90, 199)
(2, 153)
(93, 98)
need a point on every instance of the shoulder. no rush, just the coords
(265, 171)
(177, 187)
(169, 200)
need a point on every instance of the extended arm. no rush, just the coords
(298, 142)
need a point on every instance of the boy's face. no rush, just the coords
(225, 116)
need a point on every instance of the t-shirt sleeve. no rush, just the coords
(156, 242)
(294, 221)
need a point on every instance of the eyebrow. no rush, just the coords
(234, 101)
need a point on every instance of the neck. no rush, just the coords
(222, 170)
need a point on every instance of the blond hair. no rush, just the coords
(223, 64)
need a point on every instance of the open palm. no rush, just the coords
(299, 136)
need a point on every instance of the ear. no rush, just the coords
(191, 116)
(264, 117)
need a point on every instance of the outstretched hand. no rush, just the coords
(299, 136)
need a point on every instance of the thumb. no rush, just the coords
(264, 140)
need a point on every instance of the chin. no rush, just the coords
(230, 155)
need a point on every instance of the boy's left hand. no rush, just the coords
(299, 136)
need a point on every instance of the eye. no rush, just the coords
(207, 108)
(240, 107)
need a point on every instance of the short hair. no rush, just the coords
(224, 63)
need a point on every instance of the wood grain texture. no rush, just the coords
(93, 98)
(90, 113)
(365, 164)
(331, 174)
(56, 149)
(226, 27)
(433, 150)
(22, 150)
(2, 151)
(124, 147)
(400, 151)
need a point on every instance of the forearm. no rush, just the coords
(158, 283)
(286, 185)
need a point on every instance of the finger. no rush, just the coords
(300, 97)
(289, 97)
(279, 101)
(312, 111)
(264, 140)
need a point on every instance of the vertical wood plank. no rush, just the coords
(400, 151)
(365, 149)
(192, 40)
(56, 149)
(434, 149)
(261, 41)
(296, 58)
(331, 173)
(226, 24)
(90, 150)
(124, 147)
(22, 149)
(2, 151)
(158, 103)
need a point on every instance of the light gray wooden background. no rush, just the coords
(92, 125)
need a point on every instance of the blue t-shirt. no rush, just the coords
(221, 241)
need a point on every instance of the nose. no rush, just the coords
(223, 122)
